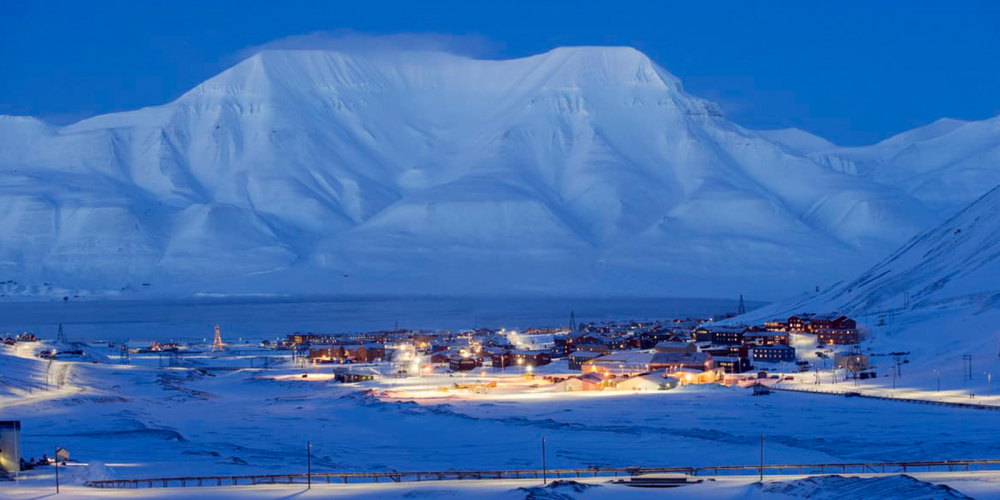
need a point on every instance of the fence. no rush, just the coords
(414, 476)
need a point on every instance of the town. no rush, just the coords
(609, 356)
(576, 360)
(627, 356)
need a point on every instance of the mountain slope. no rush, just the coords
(584, 170)
(946, 165)
(799, 141)
(937, 297)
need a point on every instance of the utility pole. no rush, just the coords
(309, 466)
(761, 458)
(938, 373)
(56, 454)
(545, 478)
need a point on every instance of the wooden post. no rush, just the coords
(57, 468)
(309, 468)
(762, 458)
(545, 479)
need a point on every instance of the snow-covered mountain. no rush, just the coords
(946, 165)
(798, 140)
(937, 297)
(581, 170)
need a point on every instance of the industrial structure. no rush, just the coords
(217, 343)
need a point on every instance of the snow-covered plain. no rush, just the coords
(145, 421)
(580, 170)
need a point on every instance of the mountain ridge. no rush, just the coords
(415, 168)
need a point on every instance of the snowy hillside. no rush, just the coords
(937, 297)
(581, 170)
(798, 140)
(955, 264)
(946, 165)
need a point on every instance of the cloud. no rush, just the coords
(475, 46)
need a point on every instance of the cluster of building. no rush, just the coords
(651, 355)
(704, 354)
(829, 329)
(21, 337)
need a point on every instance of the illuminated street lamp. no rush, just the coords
(520, 364)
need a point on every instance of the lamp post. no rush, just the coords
(938, 373)
(761, 458)
(545, 478)
(520, 364)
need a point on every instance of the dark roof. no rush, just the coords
(774, 346)
(729, 328)
(584, 354)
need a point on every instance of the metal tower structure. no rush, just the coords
(61, 336)
(742, 309)
(217, 343)
(125, 358)
(572, 321)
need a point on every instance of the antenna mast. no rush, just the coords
(217, 343)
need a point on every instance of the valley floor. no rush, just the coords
(140, 421)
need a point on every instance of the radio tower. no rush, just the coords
(217, 343)
(61, 336)
(572, 321)
(742, 309)
(125, 358)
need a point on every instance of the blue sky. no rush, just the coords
(854, 72)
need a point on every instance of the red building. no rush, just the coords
(838, 336)
(765, 338)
